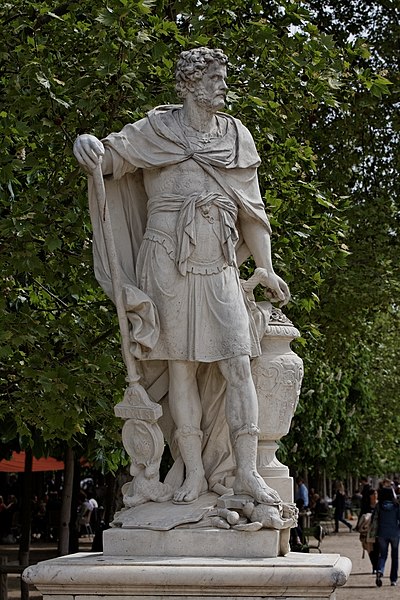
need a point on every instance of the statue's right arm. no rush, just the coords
(89, 151)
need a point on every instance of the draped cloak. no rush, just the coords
(155, 142)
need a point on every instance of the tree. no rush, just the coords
(357, 147)
(86, 67)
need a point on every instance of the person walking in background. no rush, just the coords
(365, 505)
(84, 513)
(368, 542)
(320, 506)
(388, 517)
(302, 492)
(397, 490)
(312, 498)
(365, 489)
(339, 503)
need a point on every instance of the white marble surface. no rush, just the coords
(92, 576)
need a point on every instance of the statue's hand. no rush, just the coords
(278, 290)
(88, 151)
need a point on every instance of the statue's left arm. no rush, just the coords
(258, 241)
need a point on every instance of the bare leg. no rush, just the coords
(242, 418)
(185, 407)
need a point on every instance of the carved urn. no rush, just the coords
(277, 375)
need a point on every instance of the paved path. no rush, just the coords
(361, 584)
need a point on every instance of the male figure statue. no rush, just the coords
(204, 217)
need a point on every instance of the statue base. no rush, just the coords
(196, 543)
(165, 552)
(167, 529)
(93, 576)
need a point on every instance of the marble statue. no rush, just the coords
(182, 196)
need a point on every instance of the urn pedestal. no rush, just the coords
(277, 375)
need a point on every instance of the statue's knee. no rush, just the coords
(182, 371)
(236, 370)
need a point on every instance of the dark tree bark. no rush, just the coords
(73, 531)
(65, 516)
(26, 514)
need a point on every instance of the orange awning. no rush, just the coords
(17, 464)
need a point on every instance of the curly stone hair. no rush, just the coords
(192, 64)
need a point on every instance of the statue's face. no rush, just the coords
(210, 91)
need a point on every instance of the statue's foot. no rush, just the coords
(253, 484)
(192, 487)
(141, 490)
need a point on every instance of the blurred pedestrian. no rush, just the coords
(388, 517)
(8, 520)
(302, 492)
(365, 496)
(320, 506)
(365, 488)
(84, 514)
(368, 540)
(339, 503)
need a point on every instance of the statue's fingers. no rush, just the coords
(284, 301)
(247, 286)
(286, 293)
(77, 150)
(90, 159)
(80, 157)
(279, 293)
(96, 146)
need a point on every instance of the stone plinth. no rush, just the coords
(92, 576)
(196, 542)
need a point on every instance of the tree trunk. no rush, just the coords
(26, 514)
(65, 516)
(324, 489)
(73, 531)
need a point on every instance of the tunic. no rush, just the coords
(200, 302)
(196, 188)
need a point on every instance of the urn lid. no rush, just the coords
(278, 322)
